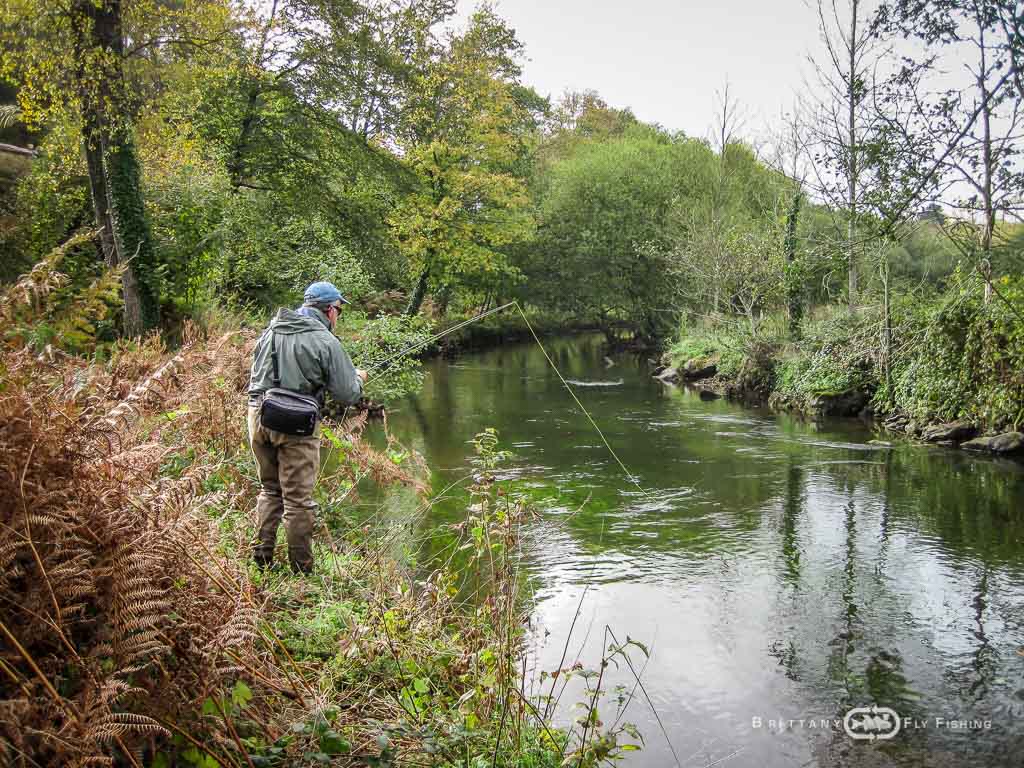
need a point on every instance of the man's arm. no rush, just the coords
(343, 380)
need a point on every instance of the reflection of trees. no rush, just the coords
(843, 643)
(791, 512)
(413, 401)
(971, 504)
(984, 661)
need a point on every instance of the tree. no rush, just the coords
(359, 59)
(463, 136)
(725, 204)
(789, 157)
(729, 119)
(844, 122)
(603, 250)
(70, 62)
(967, 138)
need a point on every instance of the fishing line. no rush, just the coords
(629, 475)
(389, 361)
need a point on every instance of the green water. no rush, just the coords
(776, 569)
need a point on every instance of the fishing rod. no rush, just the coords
(389, 361)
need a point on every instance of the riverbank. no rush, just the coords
(952, 376)
(145, 635)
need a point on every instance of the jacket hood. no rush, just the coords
(288, 322)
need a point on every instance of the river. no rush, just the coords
(778, 571)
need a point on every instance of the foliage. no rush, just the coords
(836, 355)
(389, 347)
(462, 139)
(962, 358)
(50, 202)
(45, 307)
(603, 249)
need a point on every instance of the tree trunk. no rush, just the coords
(98, 190)
(418, 294)
(988, 210)
(851, 98)
(236, 165)
(793, 287)
(444, 296)
(132, 235)
(113, 168)
(886, 333)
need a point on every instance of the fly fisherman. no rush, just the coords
(296, 360)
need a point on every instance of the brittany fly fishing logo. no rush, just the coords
(871, 723)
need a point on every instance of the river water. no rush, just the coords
(777, 571)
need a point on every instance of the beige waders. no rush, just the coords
(288, 468)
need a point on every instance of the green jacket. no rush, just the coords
(309, 356)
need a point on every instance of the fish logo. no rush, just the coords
(871, 723)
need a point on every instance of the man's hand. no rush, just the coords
(363, 375)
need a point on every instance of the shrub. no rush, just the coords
(963, 357)
(837, 354)
(121, 620)
(47, 307)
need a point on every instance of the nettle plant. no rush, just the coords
(593, 740)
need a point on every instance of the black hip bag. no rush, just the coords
(284, 411)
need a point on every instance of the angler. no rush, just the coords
(297, 359)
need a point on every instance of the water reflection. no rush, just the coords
(778, 569)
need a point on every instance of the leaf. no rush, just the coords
(638, 644)
(241, 694)
(420, 685)
(332, 743)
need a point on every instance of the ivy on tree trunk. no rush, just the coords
(794, 285)
(418, 294)
(113, 166)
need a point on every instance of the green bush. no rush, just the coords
(724, 347)
(389, 347)
(963, 358)
(838, 353)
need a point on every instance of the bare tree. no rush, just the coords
(972, 133)
(730, 118)
(1011, 18)
(985, 156)
(789, 148)
(844, 123)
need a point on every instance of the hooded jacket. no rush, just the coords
(309, 356)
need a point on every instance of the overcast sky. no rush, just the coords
(666, 59)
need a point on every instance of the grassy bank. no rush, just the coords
(138, 633)
(953, 356)
(143, 635)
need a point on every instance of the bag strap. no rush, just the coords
(319, 394)
(273, 359)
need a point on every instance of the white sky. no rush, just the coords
(666, 59)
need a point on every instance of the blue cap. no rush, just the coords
(323, 293)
